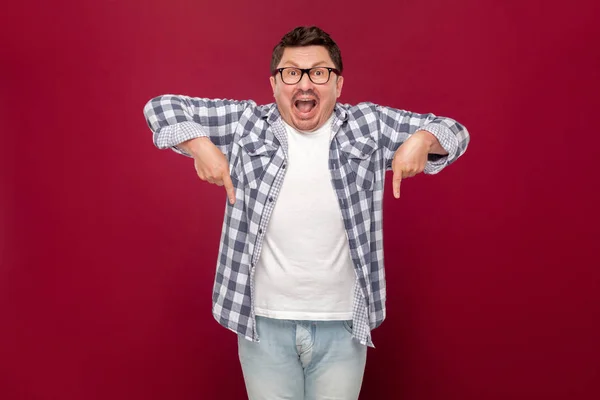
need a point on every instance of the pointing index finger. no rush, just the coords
(229, 188)
(396, 181)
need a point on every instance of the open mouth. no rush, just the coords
(305, 106)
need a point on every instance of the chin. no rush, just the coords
(306, 125)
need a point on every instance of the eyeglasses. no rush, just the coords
(317, 75)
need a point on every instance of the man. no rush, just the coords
(300, 274)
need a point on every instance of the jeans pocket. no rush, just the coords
(348, 326)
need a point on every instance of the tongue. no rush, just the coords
(305, 106)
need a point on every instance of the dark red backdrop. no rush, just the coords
(109, 246)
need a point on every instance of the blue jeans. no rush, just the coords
(302, 360)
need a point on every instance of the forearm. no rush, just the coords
(446, 138)
(175, 120)
(192, 147)
(452, 137)
(433, 144)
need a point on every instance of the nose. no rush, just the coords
(305, 82)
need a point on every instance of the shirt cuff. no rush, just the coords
(448, 142)
(173, 135)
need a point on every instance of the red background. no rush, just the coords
(108, 246)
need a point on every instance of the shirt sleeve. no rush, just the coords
(398, 125)
(175, 119)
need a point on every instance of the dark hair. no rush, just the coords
(307, 36)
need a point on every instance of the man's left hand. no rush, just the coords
(411, 157)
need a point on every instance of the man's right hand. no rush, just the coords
(210, 163)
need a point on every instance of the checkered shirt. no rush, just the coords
(253, 138)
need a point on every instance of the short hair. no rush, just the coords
(307, 36)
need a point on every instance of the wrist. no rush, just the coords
(427, 137)
(194, 146)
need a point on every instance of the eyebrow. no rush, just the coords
(293, 64)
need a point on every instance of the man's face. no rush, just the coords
(306, 106)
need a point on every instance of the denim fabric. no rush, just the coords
(302, 360)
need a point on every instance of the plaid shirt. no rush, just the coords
(253, 137)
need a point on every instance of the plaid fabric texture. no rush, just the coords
(253, 137)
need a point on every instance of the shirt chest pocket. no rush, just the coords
(255, 157)
(361, 159)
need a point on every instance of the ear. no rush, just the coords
(338, 85)
(272, 80)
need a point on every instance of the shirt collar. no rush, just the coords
(271, 113)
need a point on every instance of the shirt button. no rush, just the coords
(260, 231)
(283, 166)
(270, 199)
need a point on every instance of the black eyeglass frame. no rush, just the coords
(307, 72)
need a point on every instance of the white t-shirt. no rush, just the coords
(305, 271)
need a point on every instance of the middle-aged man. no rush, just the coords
(300, 274)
